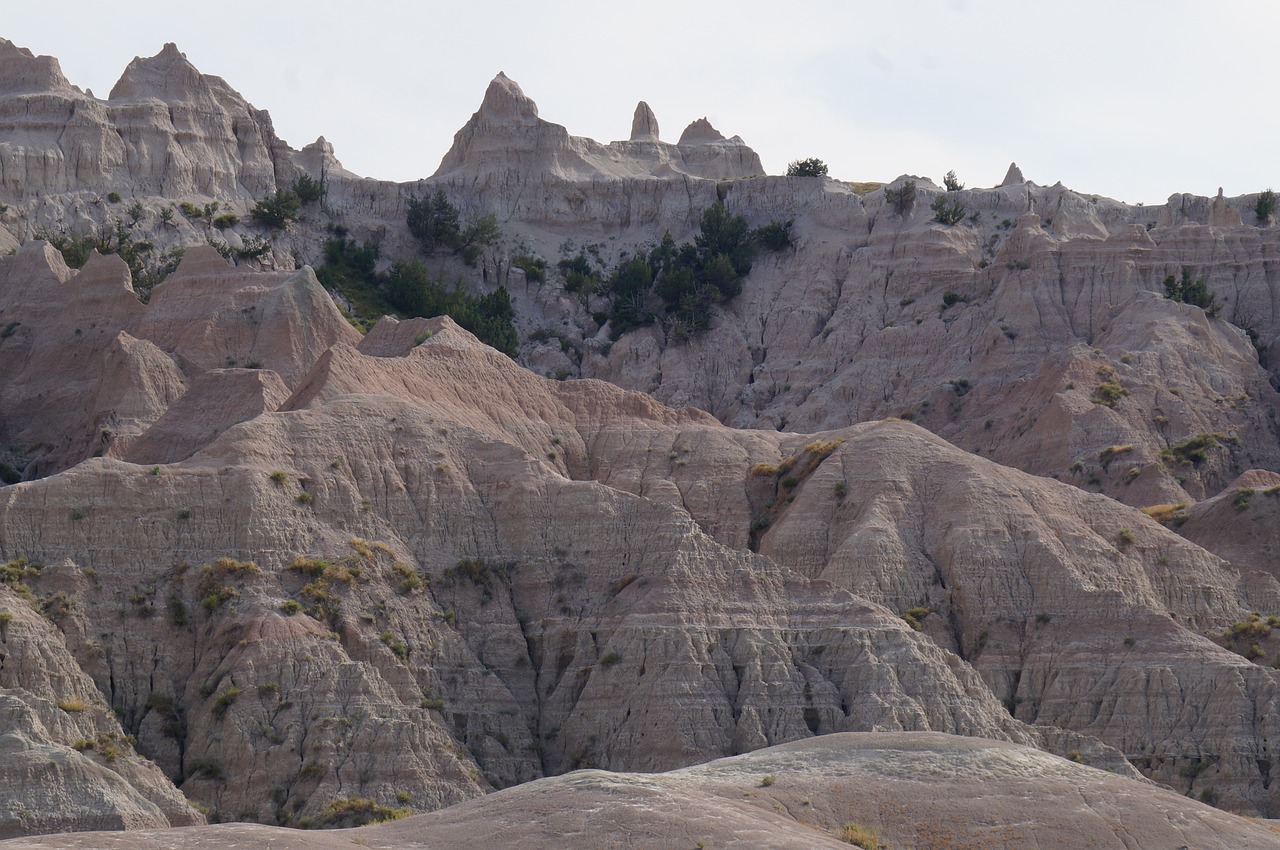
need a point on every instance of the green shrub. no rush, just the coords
(413, 292)
(222, 222)
(811, 167)
(1265, 206)
(534, 268)
(774, 236)
(1108, 393)
(860, 836)
(951, 182)
(307, 189)
(1110, 453)
(344, 812)
(947, 210)
(1242, 497)
(610, 658)
(915, 617)
(113, 198)
(1194, 292)
(206, 769)
(290, 607)
(275, 212)
(253, 248)
(224, 702)
(1193, 450)
(434, 222)
(902, 199)
(177, 610)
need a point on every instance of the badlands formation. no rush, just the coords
(864, 557)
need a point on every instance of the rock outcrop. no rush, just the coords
(68, 764)
(507, 143)
(912, 790)
(644, 125)
(165, 130)
(302, 566)
(89, 369)
(1013, 177)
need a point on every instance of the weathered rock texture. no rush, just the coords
(166, 129)
(304, 566)
(67, 763)
(904, 790)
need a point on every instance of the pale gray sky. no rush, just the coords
(1133, 99)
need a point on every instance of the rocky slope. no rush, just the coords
(904, 790)
(304, 567)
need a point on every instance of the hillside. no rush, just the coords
(892, 486)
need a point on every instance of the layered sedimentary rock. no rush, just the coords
(89, 369)
(402, 567)
(506, 141)
(911, 790)
(68, 764)
(166, 129)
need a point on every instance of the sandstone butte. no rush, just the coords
(717, 591)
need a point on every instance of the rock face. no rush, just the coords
(165, 130)
(644, 126)
(302, 566)
(89, 369)
(910, 790)
(1013, 177)
(506, 141)
(700, 132)
(68, 764)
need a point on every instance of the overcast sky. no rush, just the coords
(1133, 99)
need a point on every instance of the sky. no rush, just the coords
(1131, 99)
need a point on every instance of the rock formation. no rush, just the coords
(914, 790)
(303, 566)
(166, 129)
(1013, 177)
(644, 126)
(505, 140)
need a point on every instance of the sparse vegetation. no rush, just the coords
(1194, 450)
(902, 199)
(1109, 393)
(105, 745)
(951, 182)
(437, 225)
(1110, 453)
(147, 267)
(947, 210)
(308, 190)
(861, 836)
(810, 167)
(1191, 291)
(915, 617)
(534, 268)
(345, 812)
(277, 211)
(222, 704)
(1172, 515)
(1265, 206)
